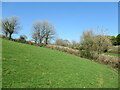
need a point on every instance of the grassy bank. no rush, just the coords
(27, 66)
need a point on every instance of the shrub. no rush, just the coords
(16, 40)
(22, 41)
(23, 38)
(41, 44)
(64, 49)
(108, 60)
(85, 53)
(62, 42)
(5, 37)
(90, 55)
(95, 55)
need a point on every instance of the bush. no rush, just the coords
(64, 49)
(62, 42)
(28, 42)
(22, 40)
(91, 44)
(87, 54)
(108, 60)
(16, 40)
(5, 37)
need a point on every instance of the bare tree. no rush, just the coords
(34, 36)
(59, 42)
(39, 31)
(62, 42)
(5, 26)
(10, 25)
(36, 32)
(43, 31)
(48, 30)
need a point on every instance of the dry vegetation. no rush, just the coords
(64, 49)
(108, 60)
(105, 59)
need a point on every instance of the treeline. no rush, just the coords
(42, 31)
(115, 40)
(92, 46)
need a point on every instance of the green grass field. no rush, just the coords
(112, 54)
(27, 66)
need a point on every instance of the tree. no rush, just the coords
(87, 40)
(23, 37)
(10, 25)
(94, 44)
(37, 33)
(59, 42)
(34, 36)
(43, 30)
(67, 42)
(5, 26)
(113, 40)
(101, 43)
(118, 39)
(49, 31)
(62, 42)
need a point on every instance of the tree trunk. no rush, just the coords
(46, 41)
(10, 36)
(40, 41)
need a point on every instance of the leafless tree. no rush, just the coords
(43, 30)
(49, 31)
(5, 26)
(10, 25)
(37, 35)
(62, 42)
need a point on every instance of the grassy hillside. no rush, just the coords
(27, 66)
